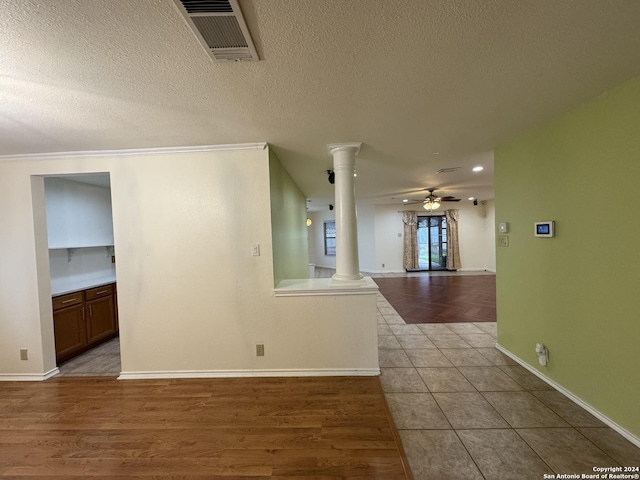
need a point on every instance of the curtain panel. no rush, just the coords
(453, 244)
(410, 243)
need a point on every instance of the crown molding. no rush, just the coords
(134, 151)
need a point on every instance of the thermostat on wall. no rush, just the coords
(544, 229)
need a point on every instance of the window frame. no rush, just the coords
(326, 237)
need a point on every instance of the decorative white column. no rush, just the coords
(344, 168)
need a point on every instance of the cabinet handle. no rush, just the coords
(70, 300)
(90, 313)
(101, 292)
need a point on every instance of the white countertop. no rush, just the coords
(62, 286)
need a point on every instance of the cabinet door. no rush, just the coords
(70, 331)
(101, 322)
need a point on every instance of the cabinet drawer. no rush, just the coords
(67, 300)
(98, 292)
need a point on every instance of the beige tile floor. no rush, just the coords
(466, 411)
(462, 408)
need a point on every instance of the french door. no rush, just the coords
(432, 242)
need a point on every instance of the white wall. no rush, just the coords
(88, 267)
(78, 215)
(389, 231)
(476, 235)
(476, 229)
(367, 237)
(191, 296)
(380, 237)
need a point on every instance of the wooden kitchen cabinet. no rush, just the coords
(69, 325)
(100, 311)
(83, 319)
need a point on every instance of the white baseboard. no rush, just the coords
(382, 272)
(603, 418)
(477, 270)
(28, 377)
(320, 372)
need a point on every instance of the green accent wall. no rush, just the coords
(288, 224)
(577, 293)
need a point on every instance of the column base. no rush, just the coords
(356, 279)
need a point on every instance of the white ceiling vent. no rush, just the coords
(447, 170)
(220, 27)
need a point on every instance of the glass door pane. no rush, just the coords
(432, 242)
(423, 243)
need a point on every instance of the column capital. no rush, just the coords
(335, 147)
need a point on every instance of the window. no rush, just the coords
(330, 238)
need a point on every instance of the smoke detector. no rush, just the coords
(220, 28)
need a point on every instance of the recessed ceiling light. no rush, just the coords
(404, 200)
(435, 153)
(471, 198)
(478, 168)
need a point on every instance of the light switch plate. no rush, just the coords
(502, 240)
(503, 227)
(255, 249)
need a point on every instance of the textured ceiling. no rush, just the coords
(408, 78)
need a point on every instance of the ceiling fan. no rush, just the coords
(432, 201)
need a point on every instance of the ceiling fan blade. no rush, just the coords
(449, 199)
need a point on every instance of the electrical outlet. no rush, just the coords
(383, 265)
(260, 350)
(24, 354)
(113, 259)
(255, 249)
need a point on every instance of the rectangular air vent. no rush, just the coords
(447, 170)
(220, 28)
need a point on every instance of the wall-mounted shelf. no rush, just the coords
(72, 250)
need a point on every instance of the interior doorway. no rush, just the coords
(432, 242)
(82, 273)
